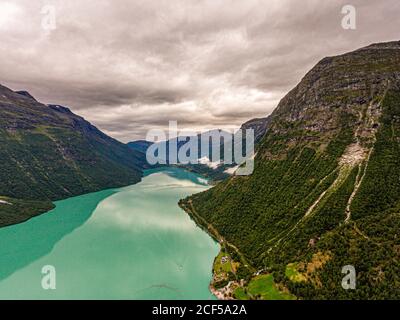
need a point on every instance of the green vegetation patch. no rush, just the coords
(15, 211)
(223, 263)
(262, 287)
(293, 274)
(241, 294)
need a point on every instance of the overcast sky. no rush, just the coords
(131, 65)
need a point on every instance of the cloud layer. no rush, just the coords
(132, 65)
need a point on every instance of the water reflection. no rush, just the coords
(25, 243)
(136, 244)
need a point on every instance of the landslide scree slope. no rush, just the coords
(325, 192)
(48, 153)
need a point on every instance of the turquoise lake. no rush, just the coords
(127, 243)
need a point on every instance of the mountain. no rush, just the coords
(212, 170)
(325, 192)
(140, 145)
(48, 153)
(259, 125)
(215, 170)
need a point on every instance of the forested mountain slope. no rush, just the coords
(326, 188)
(48, 153)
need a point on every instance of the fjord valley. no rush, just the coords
(199, 159)
(48, 153)
(325, 192)
(200, 150)
(61, 204)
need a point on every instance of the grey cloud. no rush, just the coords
(132, 65)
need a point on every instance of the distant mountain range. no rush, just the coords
(325, 193)
(48, 153)
(216, 170)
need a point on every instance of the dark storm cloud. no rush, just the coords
(132, 65)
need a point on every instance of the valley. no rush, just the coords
(324, 194)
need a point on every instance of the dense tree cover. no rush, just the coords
(275, 197)
(214, 174)
(47, 153)
(298, 165)
(14, 211)
(381, 186)
(56, 164)
(260, 215)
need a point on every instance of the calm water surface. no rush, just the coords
(127, 243)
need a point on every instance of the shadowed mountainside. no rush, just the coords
(48, 153)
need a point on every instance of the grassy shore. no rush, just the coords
(233, 276)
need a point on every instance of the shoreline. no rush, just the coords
(226, 292)
(48, 205)
(175, 260)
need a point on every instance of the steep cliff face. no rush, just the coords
(326, 188)
(259, 125)
(48, 153)
(340, 91)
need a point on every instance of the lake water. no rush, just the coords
(128, 243)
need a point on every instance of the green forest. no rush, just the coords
(305, 213)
